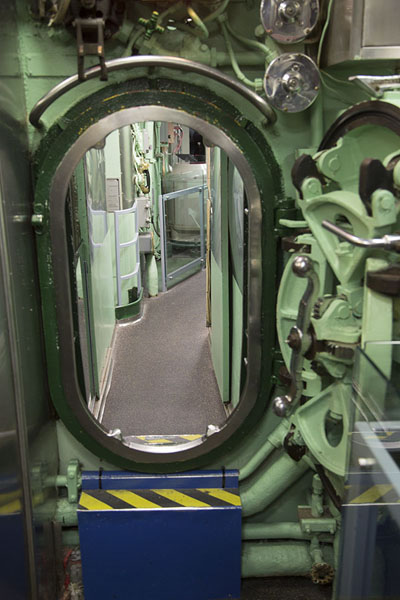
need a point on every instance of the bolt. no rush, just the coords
(311, 187)
(334, 164)
(204, 47)
(385, 201)
(343, 312)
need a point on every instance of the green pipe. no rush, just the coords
(274, 440)
(276, 559)
(270, 484)
(271, 531)
(197, 21)
(235, 66)
(126, 153)
(270, 52)
(66, 513)
(214, 15)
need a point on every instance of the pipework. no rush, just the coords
(270, 484)
(274, 441)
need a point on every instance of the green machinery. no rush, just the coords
(304, 106)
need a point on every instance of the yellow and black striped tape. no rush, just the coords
(146, 499)
(383, 493)
(165, 440)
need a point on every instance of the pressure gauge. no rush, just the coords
(292, 82)
(289, 21)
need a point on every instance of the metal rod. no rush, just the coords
(387, 241)
(184, 192)
(202, 244)
(187, 267)
(126, 154)
(161, 210)
(117, 257)
(132, 62)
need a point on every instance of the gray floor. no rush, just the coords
(163, 380)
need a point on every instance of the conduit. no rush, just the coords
(271, 531)
(270, 484)
(274, 440)
(276, 559)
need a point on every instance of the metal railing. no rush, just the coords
(120, 245)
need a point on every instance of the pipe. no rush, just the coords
(274, 440)
(169, 11)
(150, 61)
(198, 22)
(270, 53)
(214, 15)
(272, 482)
(126, 154)
(276, 559)
(235, 65)
(387, 242)
(271, 531)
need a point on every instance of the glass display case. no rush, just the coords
(370, 544)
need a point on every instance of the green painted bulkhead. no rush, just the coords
(292, 464)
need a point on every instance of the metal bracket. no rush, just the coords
(89, 27)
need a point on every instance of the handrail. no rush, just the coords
(150, 61)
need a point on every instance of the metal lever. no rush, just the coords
(299, 339)
(387, 242)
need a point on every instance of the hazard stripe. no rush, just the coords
(155, 499)
(375, 494)
(134, 500)
(165, 439)
(159, 441)
(181, 498)
(12, 507)
(89, 502)
(228, 497)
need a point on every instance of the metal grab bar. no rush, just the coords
(171, 62)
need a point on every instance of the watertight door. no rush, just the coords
(219, 266)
